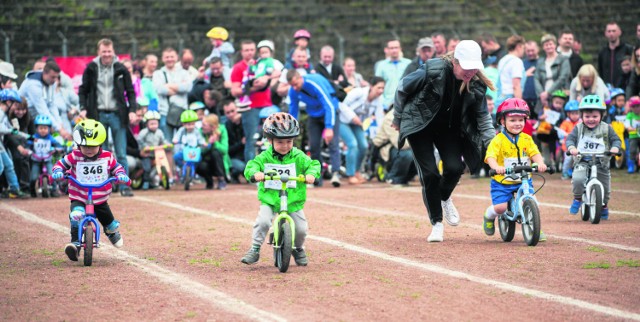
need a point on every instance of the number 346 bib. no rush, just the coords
(92, 172)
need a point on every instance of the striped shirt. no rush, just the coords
(71, 162)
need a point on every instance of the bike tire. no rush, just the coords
(136, 183)
(88, 243)
(596, 205)
(164, 179)
(284, 251)
(531, 231)
(584, 208)
(187, 178)
(507, 228)
(45, 187)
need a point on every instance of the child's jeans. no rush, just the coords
(36, 168)
(264, 221)
(6, 165)
(146, 166)
(633, 149)
(580, 177)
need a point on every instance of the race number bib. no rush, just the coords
(41, 147)
(92, 172)
(552, 116)
(288, 169)
(513, 162)
(591, 145)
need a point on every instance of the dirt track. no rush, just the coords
(369, 260)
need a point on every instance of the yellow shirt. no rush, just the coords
(505, 152)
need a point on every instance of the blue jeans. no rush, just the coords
(167, 129)
(237, 168)
(250, 124)
(119, 132)
(401, 168)
(7, 166)
(36, 168)
(353, 137)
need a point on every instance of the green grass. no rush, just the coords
(45, 252)
(206, 261)
(628, 263)
(592, 265)
(596, 249)
(57, 262)
(190, 315)
(235, 246)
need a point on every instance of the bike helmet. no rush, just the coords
(188, 116)
(218, 33)
(266, 43)
(151, 115)
(89, 133)
(42, 120)
(572, 106)
(560, 94)
(197, 105)
(142, 101)
(281, 125)
(634, 101)
(592, 102)
(267, 111)
(9, 94)
(512, 106)
(616, 92)
(302, 33)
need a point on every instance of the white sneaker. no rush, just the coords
(437, 233)
(450, 213)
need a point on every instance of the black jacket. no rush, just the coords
(88, 91)
(576, 62)
(412, 67)
(419, 98)
(235, 135)
(633, 88)
(608, 73)
(336, 72)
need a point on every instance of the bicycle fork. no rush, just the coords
(274, 237)
(593, 181)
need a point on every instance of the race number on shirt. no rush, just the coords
(513, 162)
(590, 144)
(41, 147)
(552, 116)
(92, 172)
(288, 169)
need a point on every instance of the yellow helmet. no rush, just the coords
(218, 33)
(89, 133)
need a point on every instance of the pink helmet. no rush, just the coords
(302, 33)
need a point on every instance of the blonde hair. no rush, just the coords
(479, 75)
(211, 120)
(587, 70)
(547, 37)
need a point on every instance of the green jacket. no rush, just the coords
(221, 145)
(271, 197)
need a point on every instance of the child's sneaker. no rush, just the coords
(605, 213)
(243, 103)
(252, 256)
(543, 236)
(116, 239)
(16, 194)
(72, 250)
(145, 185)
(575, 206)
(300, 257)
(565, 176)
(489, 226)
(222, 184)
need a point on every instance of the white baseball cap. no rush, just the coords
(6, 69)
(469, 55)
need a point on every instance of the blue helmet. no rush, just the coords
(616, 92)
(267, 111)
(572, 106)
(9, 94)
(42, 120)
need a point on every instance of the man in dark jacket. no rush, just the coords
(425, 51)
(236, 139)
(612, 54)
(565, 48)
(445, 107)
(332, 72)
(107, 95)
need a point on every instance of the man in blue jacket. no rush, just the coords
(322, 107)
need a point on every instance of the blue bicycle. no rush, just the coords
(523, 207)
(89, 233)
(191, 155)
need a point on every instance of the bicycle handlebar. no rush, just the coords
(520, 168)
(283, 178)
(164, 147)
(99, 185)
(605, 153)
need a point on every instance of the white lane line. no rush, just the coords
(185, 284)
(427, 267)
(473, 226)
(568, 186)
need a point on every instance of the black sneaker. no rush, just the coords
(300, 257)
(126, 192)
(116, 239)
(16, 194)
(72, 251)
(54, 193)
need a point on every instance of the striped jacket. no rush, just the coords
(75, 160)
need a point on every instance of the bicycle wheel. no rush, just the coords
(595, 205)
(136, 183)
(187, 177)
(282, 251)
(164, 179)
(620, 161)
(45, 187)
(585, 207)
(507, 228)
(87, 233)
(531, 230)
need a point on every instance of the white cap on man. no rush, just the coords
(6, 69)
(469, 55)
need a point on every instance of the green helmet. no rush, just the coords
(89, 133)
(592, 102)
(188, 116)
(559, 93)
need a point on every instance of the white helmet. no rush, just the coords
(268, 44)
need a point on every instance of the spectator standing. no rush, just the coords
(172, 84)
(553, 71)
(491, 47)
(511, 71)
(587, 82)
(7, 75)
(424, 51)
(236, 139)
(530, 62)
(332, 72)
(354, 78)
(633, 89)
(440, 43)
(186, 61)
(565, 48)
(611, 55)
(107, 95)
(391, 70)
(453, 42)
(150, 65)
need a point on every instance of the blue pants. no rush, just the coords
(6, 166)
(353, 137)
(119, 132)
(401, 168)
(36, 168)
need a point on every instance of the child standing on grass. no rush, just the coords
(281, 129)
(593, 135)
(90, 164)
(509, 148)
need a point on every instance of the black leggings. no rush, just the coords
(436, 187)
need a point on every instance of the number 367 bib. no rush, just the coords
(288, 169)
(92, 172)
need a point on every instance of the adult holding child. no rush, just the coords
(444, 105)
